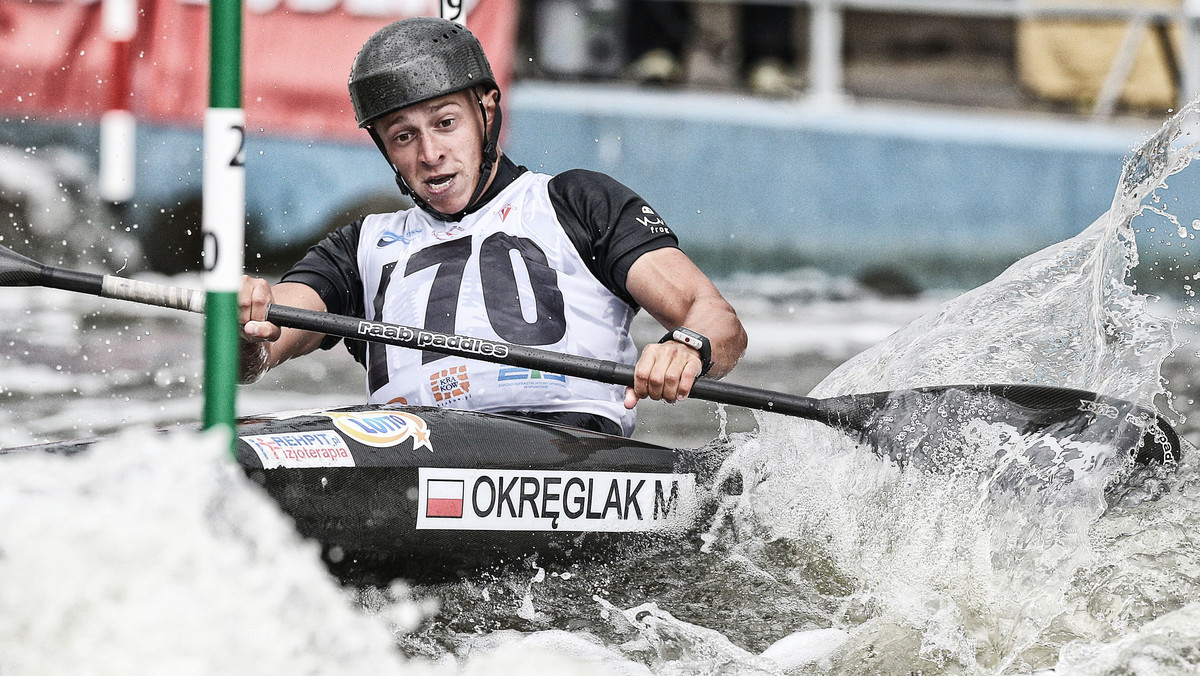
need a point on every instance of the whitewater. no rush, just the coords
(154, 554)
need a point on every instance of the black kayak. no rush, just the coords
(400, 491)
(431, 492)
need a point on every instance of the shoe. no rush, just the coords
(770, 77)
(657, 66)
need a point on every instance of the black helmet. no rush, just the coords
(414, 60)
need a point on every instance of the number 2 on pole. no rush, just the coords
(224, 212)
(239, 157)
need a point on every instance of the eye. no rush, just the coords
(403, 137)
(446, 123)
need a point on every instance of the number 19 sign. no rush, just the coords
(452, 10)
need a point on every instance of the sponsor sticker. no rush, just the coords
(552, 500)
(512, 375)
(652, 222)
(389, 237)
(1106, 410)
(301, 449)
(383, 429)
(450, 384)
(449, 233)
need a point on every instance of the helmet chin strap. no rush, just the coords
(490, 156)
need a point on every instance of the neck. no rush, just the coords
(502, 173)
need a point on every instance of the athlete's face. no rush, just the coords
(437, 146)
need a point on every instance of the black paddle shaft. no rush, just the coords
(887, 421)
(17, 270)
(541, 360)
(879, 418)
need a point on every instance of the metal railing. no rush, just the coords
(826, 36)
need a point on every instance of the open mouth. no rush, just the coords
(440, 183)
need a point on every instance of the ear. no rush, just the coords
(490, 100)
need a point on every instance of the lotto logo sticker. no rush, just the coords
(383, 429)
(449, 384)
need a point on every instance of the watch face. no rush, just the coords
(693, 340)
(688, 337)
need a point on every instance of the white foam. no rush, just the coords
(804, 647)
(153, 554)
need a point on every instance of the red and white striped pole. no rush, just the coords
(117, 126)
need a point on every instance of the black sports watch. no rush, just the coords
(682, 334)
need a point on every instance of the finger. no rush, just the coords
(666, 372)
(656, 380)
(261, 331)
(631, 398)
(253, 299)
(660, 375)
(681, 364)
(261, 300)
(245, 296)
(687, 379)
(668, 379)
(642, 372)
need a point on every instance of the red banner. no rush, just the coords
(56, 62)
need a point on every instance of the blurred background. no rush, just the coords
(840, 167)
(908, 143)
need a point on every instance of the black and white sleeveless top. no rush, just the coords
(543, 263)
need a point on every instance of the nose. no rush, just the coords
(430, 149)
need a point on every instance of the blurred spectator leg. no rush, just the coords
(713, 53)
(656, 32)
(769, 49)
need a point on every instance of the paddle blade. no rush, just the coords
(1018, 435)
(17, 270)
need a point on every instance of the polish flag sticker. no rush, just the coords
(444, 498)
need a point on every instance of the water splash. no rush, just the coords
(896, 571)
(141, 552)
(942, 575)
(154, 551)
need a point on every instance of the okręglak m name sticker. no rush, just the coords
(548, 500)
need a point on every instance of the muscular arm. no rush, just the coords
(265, 345)
(675, 292)
(630, 249)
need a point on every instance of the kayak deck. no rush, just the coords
(429, 492)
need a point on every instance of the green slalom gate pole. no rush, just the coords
(224, 214)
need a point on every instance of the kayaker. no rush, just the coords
(495, 251)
